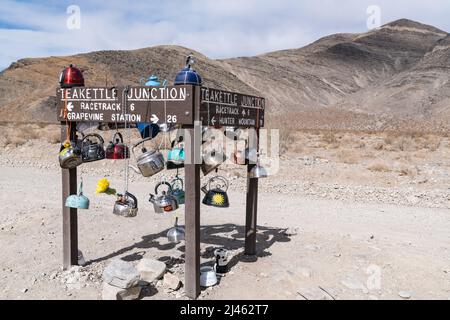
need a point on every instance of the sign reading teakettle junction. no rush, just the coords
(171, 104)
(224, 108)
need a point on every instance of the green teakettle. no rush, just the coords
(78, 201)
(178, 189)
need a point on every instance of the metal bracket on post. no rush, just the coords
(70, 215)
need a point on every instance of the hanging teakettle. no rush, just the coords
(92, 151)
(165, 202)
(70, 155)
(176, 234)
(216, 197)
(188, 76)
(212, 160)
(71, 77)
(178, 189)
(78, 201)
(176, 155)
(126, 205)
(149, 162)
(116, 149)
(149, 130)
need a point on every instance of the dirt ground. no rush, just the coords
(347, 217)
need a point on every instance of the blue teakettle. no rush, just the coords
(78, 201)
(188, 76)
(152, 81)
(148, 130)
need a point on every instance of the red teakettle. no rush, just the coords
(116, 149)
(71, 77)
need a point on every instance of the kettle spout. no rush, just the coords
(152, 198)
(205, 191)
(134, 169)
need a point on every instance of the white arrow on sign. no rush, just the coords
(154, 118)
(213, 120)
(70, 106)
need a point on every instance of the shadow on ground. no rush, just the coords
(228, 236)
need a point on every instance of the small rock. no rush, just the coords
(171, 281)
(151, 270)
(121, 274)
(405, 294)
(110, 292)
(25, 290)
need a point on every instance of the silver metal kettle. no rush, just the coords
(176, 234)
(149, 162)
(126, 205)
(165, 202)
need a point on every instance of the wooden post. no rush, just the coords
(192, 208)
(70, 219)
(251, 209)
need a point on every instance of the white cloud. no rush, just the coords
(219, 28)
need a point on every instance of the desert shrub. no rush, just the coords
(348, 157)
(379, 167)
(329, 137)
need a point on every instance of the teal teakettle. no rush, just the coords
(178, 189)
(78, 201)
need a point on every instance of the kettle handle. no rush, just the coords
(174, 182)
(80, 189)
(163, 183)
(132, 197)
(219, 178)
(99, 137)
(120, 136)
(140, 142)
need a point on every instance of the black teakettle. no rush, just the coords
(92, 150)
(216, 197)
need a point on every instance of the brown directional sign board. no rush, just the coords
(172, 104)
(224, 108)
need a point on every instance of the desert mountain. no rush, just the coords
(393, 77)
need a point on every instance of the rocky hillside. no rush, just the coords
(394, 77)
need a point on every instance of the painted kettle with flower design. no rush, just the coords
(216, 197)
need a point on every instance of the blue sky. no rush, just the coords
(217, 28)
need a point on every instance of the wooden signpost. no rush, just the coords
(179, 105)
